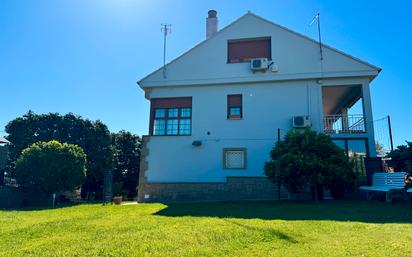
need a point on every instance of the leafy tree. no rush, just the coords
(309, 160)
(92, 136)
(127, 158)
(51, 166)
(380, 151)
(401, 158)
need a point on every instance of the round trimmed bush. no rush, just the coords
(51, 166)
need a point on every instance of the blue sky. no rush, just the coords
(84, 56)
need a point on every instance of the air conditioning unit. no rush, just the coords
(301, 121)
(259, 64)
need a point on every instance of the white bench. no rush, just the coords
(389, 183)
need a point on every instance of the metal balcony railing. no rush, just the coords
(344, 124)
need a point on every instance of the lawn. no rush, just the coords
(348, 228)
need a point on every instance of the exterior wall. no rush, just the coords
(174, 170)
(266, 107)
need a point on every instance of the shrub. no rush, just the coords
(401, 158)
(309, 159)
(51, 166)
(92, 136)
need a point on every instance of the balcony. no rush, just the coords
(344, 124)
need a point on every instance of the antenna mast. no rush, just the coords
(165, 29)
(317, 18)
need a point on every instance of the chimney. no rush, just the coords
(211, 23)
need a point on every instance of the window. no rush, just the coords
(185, 126)
(159, 127)
(356, 150)
(172, 127)
(234, 107)
(234, 158)
(352, 146)
(171, 116)
(243, 50)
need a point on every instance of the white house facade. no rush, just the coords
(214, 120)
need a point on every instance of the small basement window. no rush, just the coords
(234, 158)
(243, 50)
(234, 107)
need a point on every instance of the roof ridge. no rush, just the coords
(249, 13)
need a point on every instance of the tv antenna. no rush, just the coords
(165, 29)
(317, 18)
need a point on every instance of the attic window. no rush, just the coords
(243, 50)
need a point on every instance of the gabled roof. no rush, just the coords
(154, 80)
(316, 42)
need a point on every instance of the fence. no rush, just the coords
(344, 124)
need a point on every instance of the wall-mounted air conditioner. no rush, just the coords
(301, 121)
(259, 64)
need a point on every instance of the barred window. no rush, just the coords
(234, 158)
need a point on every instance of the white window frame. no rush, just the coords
(237, 149)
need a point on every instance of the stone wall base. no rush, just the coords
(236, 188)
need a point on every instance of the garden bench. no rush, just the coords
(392, 184)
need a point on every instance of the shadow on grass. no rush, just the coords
(40, 208)
(353, 210)
(270, 233)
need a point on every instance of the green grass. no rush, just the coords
(348, 228)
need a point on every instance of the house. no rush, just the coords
(214, 119)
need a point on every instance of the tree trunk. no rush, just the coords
(1, 177)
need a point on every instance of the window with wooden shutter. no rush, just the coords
(234, 107)
(171, 116)
(243, 50)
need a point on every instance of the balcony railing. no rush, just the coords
(344, 124)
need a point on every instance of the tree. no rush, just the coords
(401, 158)
(51, 166)
(309, 160)
(380, 151)
(127, 158)
(92, 136)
